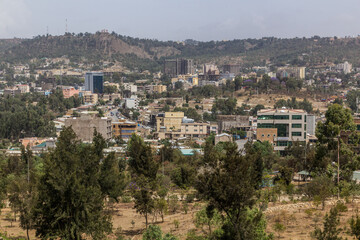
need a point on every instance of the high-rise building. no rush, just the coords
(174, 67)
(232, 68)
(94, 82)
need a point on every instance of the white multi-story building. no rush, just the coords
(281, 127)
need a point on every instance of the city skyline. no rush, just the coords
(179, 20)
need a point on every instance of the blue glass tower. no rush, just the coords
(94, 82)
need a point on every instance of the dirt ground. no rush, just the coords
(269, 100)
(299, 220)
(123, 216)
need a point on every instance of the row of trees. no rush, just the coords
(31, 114)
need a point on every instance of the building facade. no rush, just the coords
(227, 122)
(169, 121)
(174, 67)
(289, 125)
(84, 126)
(124, 129)
(94, 82)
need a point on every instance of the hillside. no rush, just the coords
(9, 43)
(135, 52)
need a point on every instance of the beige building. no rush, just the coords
(156, 88)
(89, 98)
(194, 130)
(170, 121)
(84, 126)
(111, 97)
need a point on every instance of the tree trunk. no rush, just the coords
(146, 220)
(27, 233)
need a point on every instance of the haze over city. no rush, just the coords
(179, 20)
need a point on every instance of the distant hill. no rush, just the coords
(9, 43)
(149, 54)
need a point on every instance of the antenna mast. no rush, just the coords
(66, 26)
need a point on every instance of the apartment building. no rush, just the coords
(169, 121)
(232, 68)
(174, 67)
(155, 88)
(11, 92)
(194, 130)
(88, 97)
(124, 129)
(23, 88)
(282, 127)
(84, 126)
(111, 97)
(130, 87)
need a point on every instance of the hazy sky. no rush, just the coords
(182, 19)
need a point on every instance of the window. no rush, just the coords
(282, 117)
(296, 134)
(296, 125)
(297, 117)
(265, 125)
(283, 143)
(305, 127)
(262, 135)
(127, 131)
(282, 130)
(305, 135)
(268, 135)
(266, 117)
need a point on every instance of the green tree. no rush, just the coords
(144, 171)
(141, 160)
(338, 118)
(351, 97)
(355, 226)
(183, 175)
(208, 219)
(321, 187)
(154, 233)
(330, 231)
(112, 177)
(227, 181)
(71, 203)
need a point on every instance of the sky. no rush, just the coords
(202, 20)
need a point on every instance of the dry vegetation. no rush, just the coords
(299, 220)
(269, 100)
